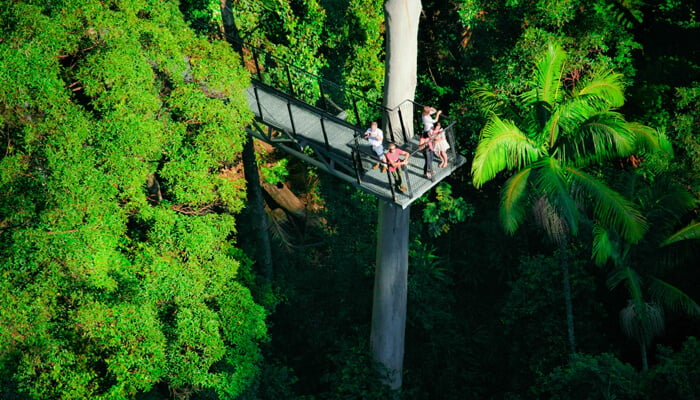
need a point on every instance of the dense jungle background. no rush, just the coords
(130, 263)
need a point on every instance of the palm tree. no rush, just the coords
(639, 266)
(547, 140)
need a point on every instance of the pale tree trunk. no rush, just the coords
(391, 276)
(402, 17)
(256, 202)
(389, 306)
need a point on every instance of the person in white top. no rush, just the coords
(375, 137)
(428, 120)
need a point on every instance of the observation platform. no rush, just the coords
(336, 146)
(318, 121)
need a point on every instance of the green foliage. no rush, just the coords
(678, 374)
(445, 211)
(355, 376)
(555, 134)
(591, 377)
(354, 37)
(108, 292)
(275, 173)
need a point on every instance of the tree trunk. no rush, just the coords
(645, 361)
(391, 276)
(256, 204)
(564, 264)
(390, 284)
(256, 210)
(400, 76)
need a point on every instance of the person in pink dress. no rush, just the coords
(440, 145)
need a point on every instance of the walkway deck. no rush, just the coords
(297, 127)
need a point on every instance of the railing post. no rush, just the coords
(291, 117)
(391, 127)
(325, 135)
(257, 66)
(289, 79)
(403, 127)
(323, 95)
(357, 113)
(449, 136)
(357, 160)
(257, 101)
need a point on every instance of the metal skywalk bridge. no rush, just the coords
(319, 122)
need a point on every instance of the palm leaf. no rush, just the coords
(565, 120)
(603, 85)
(673, 297)
(632, 280)
(547, 77)
(610, 208)
(501, 146)
(603, 246)
(489, 101)
(512, 210)
(647, 139)
(601, 137)
(691, 231)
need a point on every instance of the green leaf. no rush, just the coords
(673, 298)
(603, 85)
(610, 207)
(512, 209)
(501, 146)
(547, 77)
(692, 231)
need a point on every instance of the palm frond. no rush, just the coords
(546, 81)
(552, 181)
(673, 297)
(604, 85)
(604, 248)
(610, 208)
(566, 119)
(489, 101)
(632, 281)
(601, 137)
(512, 210)
(692, 231)
(646, 138)
(501, 146)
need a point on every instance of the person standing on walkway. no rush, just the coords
(426, 145)
(440, 145)
(375, 136)
(393, 157)
(427, 118)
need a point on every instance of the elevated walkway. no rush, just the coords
(327, 139)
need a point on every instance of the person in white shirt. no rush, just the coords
(427, 117)
(375, 136)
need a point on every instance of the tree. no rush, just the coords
(107, 292)
(641, 267)
(558, 133)
(389, 306)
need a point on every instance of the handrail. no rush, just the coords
(303, 88)
(316, 90)
(321, 95)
